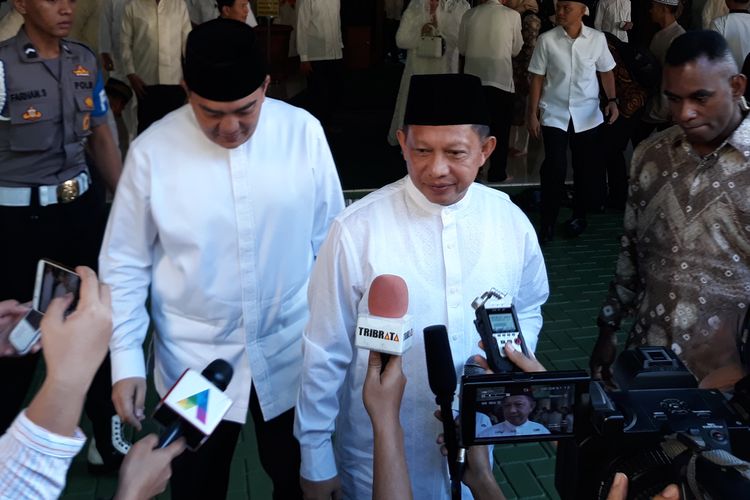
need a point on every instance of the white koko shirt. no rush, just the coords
(489, 37)
(224, 240)
(152, 40)
(571, 87)
(448, 255)
(735, 28)
(319, 30)
(611, 17)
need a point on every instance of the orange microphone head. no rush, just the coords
(389, 296)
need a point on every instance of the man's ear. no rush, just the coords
(738, 83)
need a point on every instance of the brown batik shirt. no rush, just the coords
(683, 269)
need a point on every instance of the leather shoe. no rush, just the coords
(546, 233)
(575, 226)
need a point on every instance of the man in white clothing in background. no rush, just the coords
(451, 240)
(221, 210)
(613, 16)
(152, 42)
(488, 38)
(735, 28)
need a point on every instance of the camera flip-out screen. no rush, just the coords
(521, 407)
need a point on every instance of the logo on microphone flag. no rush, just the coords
(200, 400)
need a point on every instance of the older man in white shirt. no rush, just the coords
(451, 240)
(613, 16)
(152, 42)
(320, 51)
(221, 210)
(564, 108)
(488, 38)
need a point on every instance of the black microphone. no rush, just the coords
(441, 374)
(219, 373)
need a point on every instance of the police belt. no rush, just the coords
(66, 192)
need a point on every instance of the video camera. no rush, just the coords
(658, 427)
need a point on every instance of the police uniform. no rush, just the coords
(47, 207)
(505, 428)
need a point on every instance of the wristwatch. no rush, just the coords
(614, 100)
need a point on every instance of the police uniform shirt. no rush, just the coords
(47, 109)
(505, 428)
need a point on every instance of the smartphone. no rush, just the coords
(52, 280)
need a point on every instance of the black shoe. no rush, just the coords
(106, 457)
(546, 233)
(575, 226)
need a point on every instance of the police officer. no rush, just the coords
(52, 114)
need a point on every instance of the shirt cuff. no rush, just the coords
(127, 363)
(45, 442)
(304, 58)
(318, 464)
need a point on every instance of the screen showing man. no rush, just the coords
(526, 410)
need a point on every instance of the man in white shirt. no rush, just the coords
(488, 38)
(152, 42)
(221, 210)
(516, 411)
(613, 16)
(320, 51)
(735, 28)
(451, 240)
(564, 108)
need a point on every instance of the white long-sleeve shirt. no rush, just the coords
(152, 40)
(611, 16)
(225, 240)
(489, 37)
(319, 30)
(735, 28)
(34, 462)
(447, 256)
(110, 26)
(571, 86)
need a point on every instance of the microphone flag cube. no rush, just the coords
(197, 401)
(386, 335)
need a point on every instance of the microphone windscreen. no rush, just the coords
(219, 373)
(441, 372)
(388, 297)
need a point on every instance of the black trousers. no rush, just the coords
(584, 147)
(70, 234)
(500, 104)
(324, 86)
(614, 140)
(158, 101)
(205, 473)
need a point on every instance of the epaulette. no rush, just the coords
(65, 41)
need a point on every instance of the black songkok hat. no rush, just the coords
(222, 61)
(453, 99)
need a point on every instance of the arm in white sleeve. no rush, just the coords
(327, 349)
(451, 22)
(410, 27)
(34, 462)
(462, 29)
(534, 288)
(304, 18)
(186, 26)
(125, 265)
(517, 35)
(599, 15)
(126, 40)
(625, 13)
(329, 200)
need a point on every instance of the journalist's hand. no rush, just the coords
(322, 490)
(10, 313)
(145, 471)
(382, 393)
(619, 490)
(603, 355)
(129, 398)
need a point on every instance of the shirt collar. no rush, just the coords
(739, 140)
(585, 33)
(28, 52)
(416, 196)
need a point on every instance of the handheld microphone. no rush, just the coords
(387, 329)
(195, 405)
(441, 374)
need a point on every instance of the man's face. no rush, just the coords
(655, 11)
(516, 409)
(703, 99)
(238, 11)
(229, 124)
(51, 17)
(569, 13)
(443, 160)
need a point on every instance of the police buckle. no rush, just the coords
(68, 191)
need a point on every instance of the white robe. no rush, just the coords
(416, 15)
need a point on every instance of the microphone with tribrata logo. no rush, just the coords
(387, 329)
(195, 405)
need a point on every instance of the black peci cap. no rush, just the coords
(222, 61)
(453, 99)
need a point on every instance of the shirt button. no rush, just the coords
(455, 337)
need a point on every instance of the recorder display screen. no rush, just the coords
(502, 322)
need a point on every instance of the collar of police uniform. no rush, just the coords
(28, 52)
